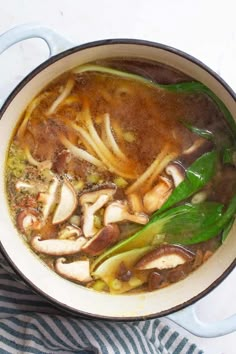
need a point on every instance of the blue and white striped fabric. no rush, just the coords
(29, 324)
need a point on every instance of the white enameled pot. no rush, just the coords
(174, 300)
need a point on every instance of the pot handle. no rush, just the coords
(188, 319)
(55, 42)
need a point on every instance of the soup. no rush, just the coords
(121, 175)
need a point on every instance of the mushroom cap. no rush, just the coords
(91, 201)
(77, 271)
(106, 237)
(28, 219)
(165, 257)
(55, 247)
(90, 196)
(67, 203)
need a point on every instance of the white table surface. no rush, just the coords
(203, 28)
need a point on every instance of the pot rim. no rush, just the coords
(66, 308)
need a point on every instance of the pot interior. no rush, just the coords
(47, 282)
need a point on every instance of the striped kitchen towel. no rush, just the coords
(29, 324)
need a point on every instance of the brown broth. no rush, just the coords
(151, 116)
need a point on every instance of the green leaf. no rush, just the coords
(229, 156)
(197, 176)
(227, 229)
(195, 221)
(204, 133)
(216, 227)
(177, 224)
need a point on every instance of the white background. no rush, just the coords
(205, 29)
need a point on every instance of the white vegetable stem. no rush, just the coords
(158, 165)
(80, 153)
(65, 93)
(111, 140)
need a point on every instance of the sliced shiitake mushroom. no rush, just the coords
(106, 237)
(67, 203)
(49, 198)
(92, 195)
(91, 202)
(118, 211)
(76, 271)
(176, 171)
(156, 197)
(28, 219)
(55, 247)
(165, 257)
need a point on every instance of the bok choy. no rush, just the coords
(197, 176)
(185, 224)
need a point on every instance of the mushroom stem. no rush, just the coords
(177, 172)
(157, 196)
(118, 211)
(89, 228)
(69, 232)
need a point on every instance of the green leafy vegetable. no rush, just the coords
(179, 225)
(108, 270)
(227, 229)
(216, 227)
(204, 133)
(197, 176)
(229, 156)
(183, 87)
